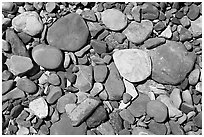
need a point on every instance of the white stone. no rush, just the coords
(66, 60)
(196, 27)
(187, 98)
(132, 64)
(199, 86)
(123, 105)
(69, 108)
(97, 88)
(39, 107)
(175, 96)
(130, 89)
(22, 130)
(166, 33)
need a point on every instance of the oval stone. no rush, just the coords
(69, 33)
(26, 85)
(47, 56)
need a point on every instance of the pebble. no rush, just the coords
(81, 52)
(6, 75)
(185, 21)
(99, 46)
(50, 6)
(68, 98)
(132, 64)
(81, 96)
(149, 11)
(194, 77)
(54, 94)
(100, 73)
(167, 33)
(55, 116)
(54, 79)
(99, 116)
(187, 98)
(103, 95)
(124, 132)
(157, 110)
(83, 110)
(7, 86)
(176, 98)
(15, 111)
(188, 45)
(43, 56)
(22, 131)
(172, 59)
(198, 120)
(114, 92)
(196, 27)
(126, 98)
(193, 12)
(185, 34)
(182, 119)
(153, 42)
(5, 46)
(175, 128)
(159, 26)
(19, 64)
(64, 127)
(130, 89)
(186, 108)
(97, 88)
(138, 106)
(9, 7)
(67, 60)
(84, 79)
(26, 85)
(127, 116)
(13, 94)
(39, 107)
(157, 128)
(69, 33)
(138, 32)
(106, 129)
(141, 131)
(135, 12)
(28, 22)
(94, 28)
(116, 121)
(114, 19)
(89, 15)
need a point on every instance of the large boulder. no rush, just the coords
(171, 62)
(69, 33)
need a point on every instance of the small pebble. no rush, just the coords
(194, 76)
(54, 79)
(26, 85)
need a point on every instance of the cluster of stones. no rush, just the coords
(103, 68)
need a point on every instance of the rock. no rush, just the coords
(82, 52)
(106, 129)
(6, 75)
(24, 37)
(193, 12)
(50, 6)
(103, 95)
(153, 42)
(149, 11)
(97, 88)
(132, 64)
(171, 63)
(186, 108)
(99, 46)
(186, 97)
(68, 98)
(185, 34)
(194, 77)
(100, 73)
(136, 13)
(114, 92)
(175, 128)
(119, 37)
(69, 33)
(5, 46)
(9, 7)
(19, 64)
(13, 94)
(198, 120)
(54, 79)
(81, 96)
(89, 15)
(114, 19)
(138, 106)
(157, 128)
(138, 32)
(126, 115)
(116, 121)
(185, 21)
(67, 60)
(159, 26)
(166, 33)
(43, 56)
(157, 110)
(83, 110)
(175, 96)
(64, 127)
(39, 107)
(130, 89)
(26, 85)
(7, 86)
(196, 27)
(54, 94)
(28, 22)
(84, 78)
(44, 130)
(22, 130)
(17, 46)
(124, 132)
(15, 111)
(94, 28)
(141, 131)
(98, 117)
(55, 116)
(126, 98)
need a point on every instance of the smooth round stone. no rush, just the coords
(132, 64)
(54, 94)
(138, 32)
(28, 22)
(114, 19)
(126, 97)
(157, 128)
(9, 7)
(100, 73)
(196, 27)
(194, 76)
(26, 85)
(47, 56)
(54, 79)
(157, 110)
(69, 33)
(193, 12)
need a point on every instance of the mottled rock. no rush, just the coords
(193, 12)
(136, 13)
(149, 11)
(185, 34)
(89, 15)
(185, 21)
(116, 121)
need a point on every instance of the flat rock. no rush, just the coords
(116, 121)
(141, 131)
(157, 128)
(114, 92)
(64, 127)
(28, 22)
(157, 110)
(153, 42)
(171, 63)
(7, 86)
(193, 12)
(194, 77)
(69, 33)
(27, 85)
(100, 73)
(175, 96)
(43, 56)
(114, 19)
(54, 94)
(126, 115)
(167, 33)
(39, 107)
(84, 79)
(132, 64)
(83, 110)
(196, 27)
(13, 94)
(106, 129)
(19, 64)
(149, 11)
(138, 32)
